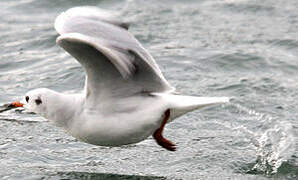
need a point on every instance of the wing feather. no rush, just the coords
(114, 61)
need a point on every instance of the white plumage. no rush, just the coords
(126, 95)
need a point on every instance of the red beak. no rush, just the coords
(16, 104)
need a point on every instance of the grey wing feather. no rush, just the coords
(114, 61)
(91, 13)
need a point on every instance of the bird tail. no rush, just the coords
(180, 105)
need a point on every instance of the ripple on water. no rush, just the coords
(273, 140)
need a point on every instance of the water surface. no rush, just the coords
(243, 49)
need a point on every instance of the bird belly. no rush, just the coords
(121, 129)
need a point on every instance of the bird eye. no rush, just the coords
(38, 101)
(27, 99)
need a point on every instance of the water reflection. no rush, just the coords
(91, 176)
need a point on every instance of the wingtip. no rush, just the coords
(90, 12)
(72, 37)
(60, 39)
(59, 22)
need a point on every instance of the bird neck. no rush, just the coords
(66, 107)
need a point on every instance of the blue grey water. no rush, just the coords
(243, 49)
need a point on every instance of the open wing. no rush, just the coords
(114, 61)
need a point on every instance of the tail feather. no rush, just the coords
(180, 105)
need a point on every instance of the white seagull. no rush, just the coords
(126, 98)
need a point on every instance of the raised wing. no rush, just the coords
(114, 61)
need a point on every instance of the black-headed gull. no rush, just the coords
(126, 98)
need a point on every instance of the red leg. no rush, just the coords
(163, 142)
